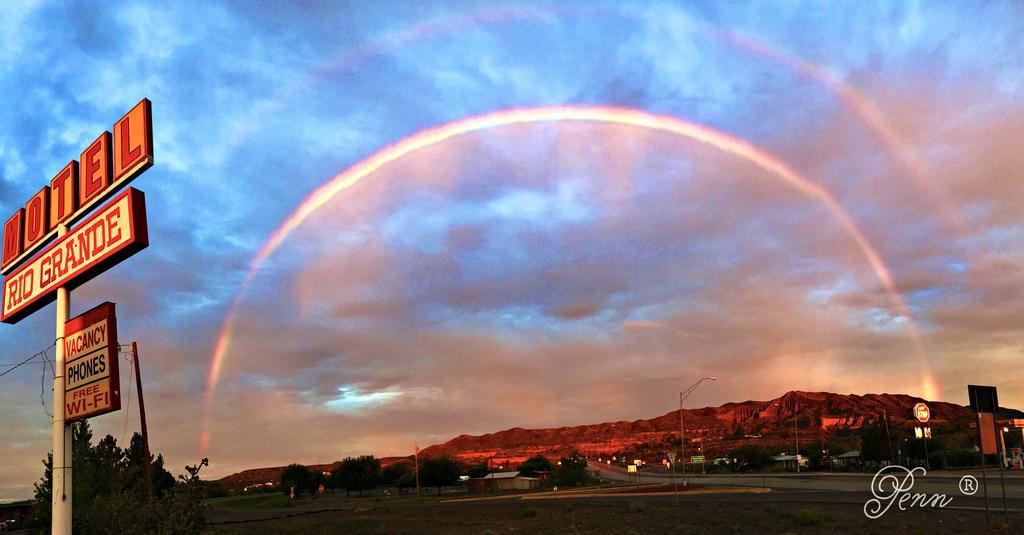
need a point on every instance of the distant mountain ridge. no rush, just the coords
(819, 412)
(769, 422)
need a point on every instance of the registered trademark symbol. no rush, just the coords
(968, 485)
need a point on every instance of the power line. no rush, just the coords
(16, 364)
(22, 363)
(42, 389)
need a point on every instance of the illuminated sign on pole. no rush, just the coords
(38, 274)
(107, 164)
(113, 233)
(92, 383)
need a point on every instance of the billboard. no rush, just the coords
(92, 382)
(115, 232)
(983, 398)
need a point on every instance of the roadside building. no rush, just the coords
(788, 462)
(1011, 438)
(503, 481)
(850, 458)
(12, 515)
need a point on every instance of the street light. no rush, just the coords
(682, 430)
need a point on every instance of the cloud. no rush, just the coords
(534, 275)
(577, 311)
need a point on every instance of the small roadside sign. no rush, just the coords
(672, 457)
(697, 459)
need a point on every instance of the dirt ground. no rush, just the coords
(622, 516)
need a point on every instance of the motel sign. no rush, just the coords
(44, 256)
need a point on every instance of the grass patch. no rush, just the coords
(529, 512)
(261, 501)
(809, 517)
(637, 506)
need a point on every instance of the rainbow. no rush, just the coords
(854, 99)
(607, 115)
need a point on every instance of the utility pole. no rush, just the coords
(796, 434)
(682, 437)
(924, 437)
(675, 488)
(702, 470)
(1002, 469)
(60, 523)
(142, 416)
(888, 439)
(417, 461)
(984, 477)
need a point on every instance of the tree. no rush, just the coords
(134, 467)
(298, 476)
(108, 496)
(394, 473)
(537, 463)
(479, 470)
(359, 474)
(183, 509)
(407, 481)
(439, 472)
(752, 457)
(572, 471)
(875, 444)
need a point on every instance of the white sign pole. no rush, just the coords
(61, 491)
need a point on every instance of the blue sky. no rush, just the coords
(450, 292)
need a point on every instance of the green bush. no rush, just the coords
(529, 512)
(572, 471)
(637, 506)
(961, 458)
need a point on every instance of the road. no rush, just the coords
(831, 486)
